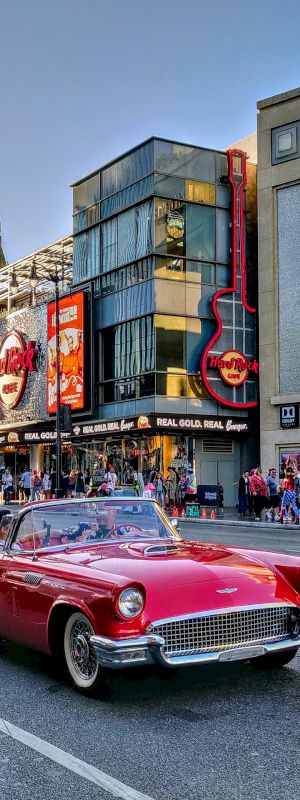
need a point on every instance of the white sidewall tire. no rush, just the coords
(79, 680)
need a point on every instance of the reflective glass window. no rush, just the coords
(221, 165)
(223, 235)
(223, 275)
(223, 196)
(79, 198)
(127, 170)
(171, 384)
(170, 227)
(147, 385)
(79, 257)
(170, 158)
(79, 221)
(170, 342)
(93, 252)
(200, 232)
(127, 197)
(199, 192)
(128, 348)
(127, 236)
(93, 214)
(200, 165)
(170, 268)
(198, 272)
(93, 190)
(225, 311)
(109, 244)
(167, 186)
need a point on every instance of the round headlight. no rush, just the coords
(130, 602)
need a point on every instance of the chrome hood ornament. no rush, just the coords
(227, 590)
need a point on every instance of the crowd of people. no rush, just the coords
(169, 490)
(38, 485)
(278, 496)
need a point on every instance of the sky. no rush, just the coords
(81, 81)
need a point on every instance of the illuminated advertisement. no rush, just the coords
(71, 338)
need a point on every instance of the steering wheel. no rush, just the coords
(122, 530)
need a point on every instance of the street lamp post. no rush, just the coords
(54, 278)
(58, 430)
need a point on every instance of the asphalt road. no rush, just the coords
(262, 537)
(223, 732)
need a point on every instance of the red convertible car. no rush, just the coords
(108, 583)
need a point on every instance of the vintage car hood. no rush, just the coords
(184, 576)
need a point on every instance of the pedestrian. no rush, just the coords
(80, 485)
(110, 478)
(46, 486)
(258, 491)
(149, 490)
(159, 489)
(21, 489)
(272, 487)
(26, 478)
(243, 493)
(72, 484)
(289, 496)
(171, 487)
(7, 483)
(36, 485)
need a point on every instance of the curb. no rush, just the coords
(240, 524)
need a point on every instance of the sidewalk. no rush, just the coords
(230, 517)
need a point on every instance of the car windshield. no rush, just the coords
(91, 521)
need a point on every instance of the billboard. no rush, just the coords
(71, 338)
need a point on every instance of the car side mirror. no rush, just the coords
(174, 522)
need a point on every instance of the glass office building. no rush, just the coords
(153, 235)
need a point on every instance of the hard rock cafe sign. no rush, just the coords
(17, 359)
(233, 367)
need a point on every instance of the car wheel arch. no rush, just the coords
(58, 616)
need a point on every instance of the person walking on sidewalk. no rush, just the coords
(258, 491)
(289, 496)
(272, 487)
(243, 493)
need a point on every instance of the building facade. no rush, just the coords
(166, 235)
(278, 184)
(27, 430)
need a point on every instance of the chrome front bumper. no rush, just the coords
(148, 649)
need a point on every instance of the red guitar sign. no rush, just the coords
(229, 357)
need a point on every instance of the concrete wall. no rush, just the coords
(274, 112)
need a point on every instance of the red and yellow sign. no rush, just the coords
(17, 359)
(233, 366)
(71, 337)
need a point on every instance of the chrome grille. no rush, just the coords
(203, 634)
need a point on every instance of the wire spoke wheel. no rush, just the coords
(80, 656)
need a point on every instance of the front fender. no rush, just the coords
(67, 602)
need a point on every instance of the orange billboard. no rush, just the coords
(71, 338)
